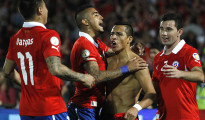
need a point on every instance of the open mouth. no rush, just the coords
(101, 24)
(113, 44)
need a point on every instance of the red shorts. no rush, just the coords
(120, 116)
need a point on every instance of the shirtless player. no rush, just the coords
(122, 93)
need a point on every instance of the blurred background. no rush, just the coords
(143, 15)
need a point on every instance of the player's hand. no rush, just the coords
(171, 72)
(136, 64)
(131, 114)
(88, 80)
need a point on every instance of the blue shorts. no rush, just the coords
(61, 116)
(76, 112)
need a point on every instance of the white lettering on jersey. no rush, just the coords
(56, 48)
(165, 63)
(22, 42)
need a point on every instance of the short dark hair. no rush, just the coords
(173, 16)
(79, 11)
(129, 29)
(28, 8)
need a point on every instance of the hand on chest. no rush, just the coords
(177, 63)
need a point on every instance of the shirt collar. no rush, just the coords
(83, 34)
(33, 24)
(176, 49)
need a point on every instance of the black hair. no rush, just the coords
(79, 10)
(173, 16)
(129, 29)
(28, 8)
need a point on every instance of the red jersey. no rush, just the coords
(86, 49)
(40, 91)
(178, 95)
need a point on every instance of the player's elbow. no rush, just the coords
(202, 80)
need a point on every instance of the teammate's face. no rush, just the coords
(44, 12)
(95, 20)
(169, 34)
(118, 37)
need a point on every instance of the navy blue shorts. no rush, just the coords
(76, 112)
(60, 116)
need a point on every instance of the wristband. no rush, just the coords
(138, 107)
(124, 69)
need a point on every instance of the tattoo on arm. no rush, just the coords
(59, 70)
(92, 68)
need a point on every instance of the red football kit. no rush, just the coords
(178, 95)
(86, 49)
(40, 91)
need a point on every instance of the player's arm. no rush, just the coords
(9, 71)
(92, 68)
(109, 53)
(195, 75)
(146, 83)
(59, 70)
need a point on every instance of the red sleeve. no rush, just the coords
(87, 52)
(10, 55)
(103, 46)
(192, 59)
(51, 44)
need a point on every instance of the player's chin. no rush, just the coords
(101, 30)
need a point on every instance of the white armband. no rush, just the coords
(138, 107)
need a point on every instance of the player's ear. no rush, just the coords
(180, 31)
(39, 10)
(85, 22)
(130, 38)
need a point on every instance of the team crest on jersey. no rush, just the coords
(54, 41)
(85, 53)
(196, 56)
(175, 64)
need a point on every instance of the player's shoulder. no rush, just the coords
(133, 54)
(188, 47)
(48, 32)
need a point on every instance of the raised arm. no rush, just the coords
(59, 70)
(92, 68)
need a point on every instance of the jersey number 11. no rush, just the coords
(23, 68)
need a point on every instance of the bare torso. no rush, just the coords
(121, 92)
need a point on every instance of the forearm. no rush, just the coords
(102, 76)
(147, 100)
(65, 73)
(61, 71)
(192, 76)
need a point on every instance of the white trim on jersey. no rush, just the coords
(176, 49)
(83, 34)
(33, 24)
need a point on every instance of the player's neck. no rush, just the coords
(123, 54)
(169, 48)
(90, 32)
(36, 19)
